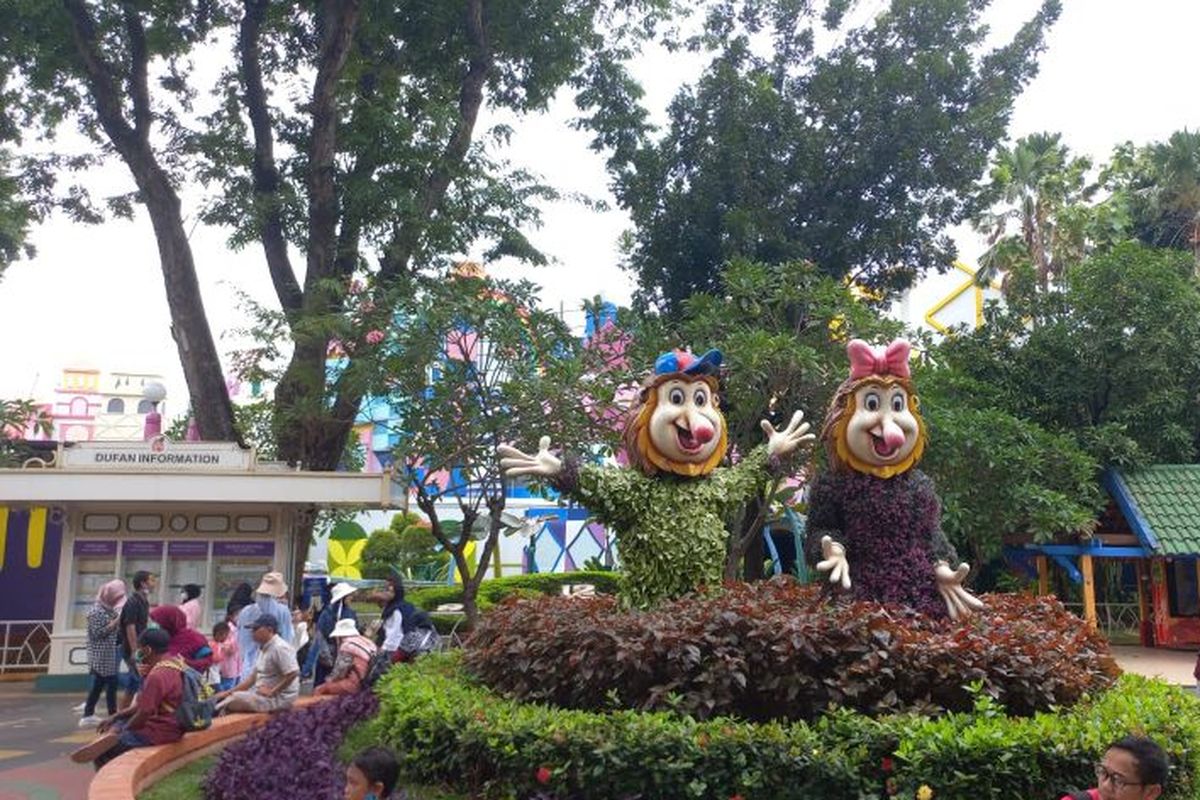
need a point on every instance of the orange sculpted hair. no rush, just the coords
(641, 450)
(842, 408)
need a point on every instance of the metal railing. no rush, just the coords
(1113, 618)
(24, 646)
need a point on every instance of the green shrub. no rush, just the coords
(408, 545)
(494, 590)
(448, 729)
(773, 650)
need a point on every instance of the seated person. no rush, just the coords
(151, 718)
(354, 653)
(1133, 768)
(190, 644)
(274, 684)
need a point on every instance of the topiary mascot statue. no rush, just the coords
(874, 520)
(668, 509)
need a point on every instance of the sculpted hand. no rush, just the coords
(785, 442)
(960, 603)
(513, 462)
(834, 562)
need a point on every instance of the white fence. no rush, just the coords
(24, 646)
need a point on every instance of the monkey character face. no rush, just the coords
(686, 426)
(883, 431)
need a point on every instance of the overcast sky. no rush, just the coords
(1114, 71)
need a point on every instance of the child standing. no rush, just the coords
(226, 655)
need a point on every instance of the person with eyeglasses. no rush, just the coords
(1133, 768)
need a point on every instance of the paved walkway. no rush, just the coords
(37, 731)
(1173, 666)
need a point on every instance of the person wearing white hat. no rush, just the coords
(270, 598)
(354, 653)
(320, 655)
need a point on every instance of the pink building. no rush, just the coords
(95, 405)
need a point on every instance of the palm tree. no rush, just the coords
(1176, 191)
(1032, 184)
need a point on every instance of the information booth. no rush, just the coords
(191, 512)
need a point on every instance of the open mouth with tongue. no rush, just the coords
(882, 448)
(691, 441)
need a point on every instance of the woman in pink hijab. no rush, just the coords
(190, 644)
(102, 622)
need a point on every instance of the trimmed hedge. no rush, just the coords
(773, 650)
(496, 590)
(448, 729)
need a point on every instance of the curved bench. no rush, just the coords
(125, 776)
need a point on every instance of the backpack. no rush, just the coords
(321, 647)
(377, 667)
(195, 711)
(418, 641)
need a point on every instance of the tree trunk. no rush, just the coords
(209, 395)
(189, 324)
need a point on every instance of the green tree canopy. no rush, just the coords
(345, 131)
(1108, 359)
(472, 364)
(856, 159)
(1160, 185)
(1001, 476)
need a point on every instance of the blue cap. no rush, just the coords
(686, 362)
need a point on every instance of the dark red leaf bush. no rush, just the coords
(775, 650)
(292, 756)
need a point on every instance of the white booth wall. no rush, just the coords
(214, 548)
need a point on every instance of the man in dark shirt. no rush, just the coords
(151, 720)
(134, 618)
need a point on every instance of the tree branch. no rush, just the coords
(404, 242)
(363, 169)
(139, 59)
(100, 78)
(340, 17)
(264, 171)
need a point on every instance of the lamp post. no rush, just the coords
(155, 392)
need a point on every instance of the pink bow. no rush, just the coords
(866, 360)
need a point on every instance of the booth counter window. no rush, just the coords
(138, 555)
(95, 564)
(187, 562)
(234, 563)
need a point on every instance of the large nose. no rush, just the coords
(701, 428)
(892, 435)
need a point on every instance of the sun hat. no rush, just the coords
(341, 591)
(272, 584)
(344, 627)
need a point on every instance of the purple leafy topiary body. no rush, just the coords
(891, 529)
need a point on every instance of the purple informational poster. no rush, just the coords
(142, 549)
(92, 548)
(187, 549)
(244, 549)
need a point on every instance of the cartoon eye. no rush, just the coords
(871, 401)
(897, 403)
(676, 397)
(700, 398)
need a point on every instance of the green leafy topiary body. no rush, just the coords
(670, 529)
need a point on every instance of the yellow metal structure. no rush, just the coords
(968, 285)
